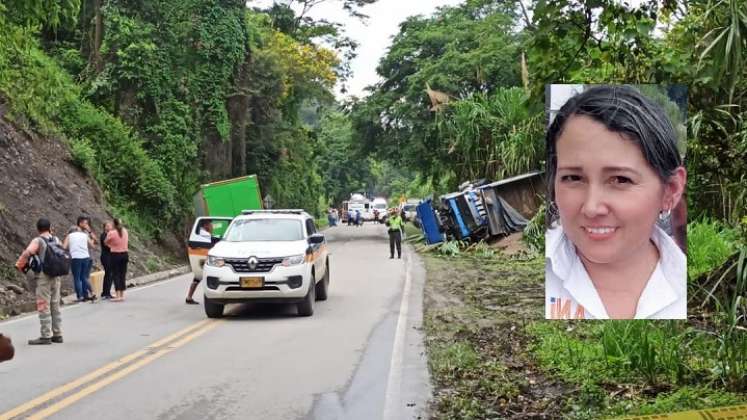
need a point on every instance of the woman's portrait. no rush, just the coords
(615, 176)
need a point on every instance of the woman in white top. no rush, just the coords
(613, 169)
(78, 241)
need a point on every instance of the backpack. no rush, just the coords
(56, 261)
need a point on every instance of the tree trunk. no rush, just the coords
(97, 38)
(239, 115)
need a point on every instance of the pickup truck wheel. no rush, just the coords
(322, 286)
(306, 308)
(213, 310)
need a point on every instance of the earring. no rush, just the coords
(665, 214)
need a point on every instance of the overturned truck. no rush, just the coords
(481, 210)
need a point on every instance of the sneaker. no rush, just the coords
(105, 297)
(57, 339)
(191, 302)
(40, 340)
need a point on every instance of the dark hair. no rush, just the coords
(622, 109)
(203, 223)
(43, 225)
(118, 225)
(82, 219)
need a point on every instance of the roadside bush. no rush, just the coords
(709, 244)
(534, 232)
(44, 94)
(84, 157)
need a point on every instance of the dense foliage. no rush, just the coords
(156, 97)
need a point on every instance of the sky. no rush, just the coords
(374, 37)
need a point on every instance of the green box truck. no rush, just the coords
(216, 204)
(229, 197)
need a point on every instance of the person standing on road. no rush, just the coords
(47, 287)
(357, 217)
(395, 225)
(206, 231)
(78, 242)
(106, 291)
(117, 240)
(351, 217)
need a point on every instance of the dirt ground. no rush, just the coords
(476, 311)
(38, 179)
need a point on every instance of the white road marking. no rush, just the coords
(392, 400)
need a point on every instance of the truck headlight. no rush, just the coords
(293, 260)
(216, 261)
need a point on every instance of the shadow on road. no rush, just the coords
(257, 311)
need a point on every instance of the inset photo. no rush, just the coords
(615, 244)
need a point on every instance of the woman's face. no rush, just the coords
(108, 227)
(607, 194)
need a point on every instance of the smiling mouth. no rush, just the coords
(600, 233)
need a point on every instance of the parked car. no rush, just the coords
(272, 256)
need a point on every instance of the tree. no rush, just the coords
(459, 51)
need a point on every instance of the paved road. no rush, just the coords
(152, 357)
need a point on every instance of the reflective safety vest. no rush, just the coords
(395, 223)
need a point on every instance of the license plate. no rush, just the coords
(252, 282)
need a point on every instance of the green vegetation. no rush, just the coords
(156, 97)
(709, 245)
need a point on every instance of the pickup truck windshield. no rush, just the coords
(265, 230)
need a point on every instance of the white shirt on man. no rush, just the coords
(570, 293)
(78, 244)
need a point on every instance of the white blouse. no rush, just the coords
(570, 294)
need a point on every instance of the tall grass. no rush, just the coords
(709, 244)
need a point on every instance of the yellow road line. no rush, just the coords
(96, 373)
(721, 413)
(90, 389)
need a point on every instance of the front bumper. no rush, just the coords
(222, 284)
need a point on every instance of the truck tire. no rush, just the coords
(322, 286)
(212, 309)
(306, 308)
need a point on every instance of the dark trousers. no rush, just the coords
(395, 239)
(118, 266)
(107, 289)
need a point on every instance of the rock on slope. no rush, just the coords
(37, 179)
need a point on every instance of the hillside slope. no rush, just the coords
(37, 179)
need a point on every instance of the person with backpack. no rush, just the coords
(117, 240)
(48, 260)
(78, 242)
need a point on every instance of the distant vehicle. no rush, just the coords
(409, 209)
(361, 203)
(379, 205)
(219, 202)
(274, 256)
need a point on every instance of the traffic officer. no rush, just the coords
(395, 224)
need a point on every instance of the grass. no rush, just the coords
(491, 355)
(709, 244)
(152, 264)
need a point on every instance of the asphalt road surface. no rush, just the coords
(360, 356)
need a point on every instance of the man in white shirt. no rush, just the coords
(78, 242)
